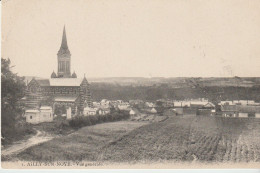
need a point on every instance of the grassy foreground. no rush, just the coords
(177, 139)
(83, 144)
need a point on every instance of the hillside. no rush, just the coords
(214, 89)
(152, 93)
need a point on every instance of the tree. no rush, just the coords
(12, 90)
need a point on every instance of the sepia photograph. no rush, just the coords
(130, 84)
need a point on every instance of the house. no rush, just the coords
(105, 103)
(243, 102)
(229, 110)
(181, 104)
(168, 104)
(97, 104)
(32, 116)
(89, 111)
(149, 104)
(133, 112)
(226, 103)
(196, 107)
(239, 102)
(135, 102)
(153, 110)
(103, 111)
(36, 116)
(165, 103)
(123, 106)
(248, 111)
(207, 109)
(200, 104)
(240, 111)
(119, 101)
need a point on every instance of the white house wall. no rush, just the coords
(243, 115)
(39, 117)
(257, 115)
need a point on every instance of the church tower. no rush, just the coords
(64, 58)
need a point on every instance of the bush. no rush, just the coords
(11, 134)
(81, 121)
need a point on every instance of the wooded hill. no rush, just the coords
(110, 91)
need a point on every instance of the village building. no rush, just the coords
(105, 103)
(195, 107)
(165, 103)
(229, 110)
(96, 104)
(63, 90)
(240, 102)
(226, 103)
(119, 101)
(123, 106)
(150, 104)
(180, 104)
(153, 110)
(240, 111)
(204, 108)
(36, 116)
(168, 104)
(135, 102)
(132, 112)
(89, 111)
(103, 111)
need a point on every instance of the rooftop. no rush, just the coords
(65, 81)
(32, 111)
(45, 108)
(60, 82)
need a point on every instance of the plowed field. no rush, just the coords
(201, 139)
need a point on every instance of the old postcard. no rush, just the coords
(130, 84)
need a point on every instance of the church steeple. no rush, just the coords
(64, 49)
(64, 44)
(64, 58)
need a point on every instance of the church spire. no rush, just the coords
(64, 44)
(64, 58)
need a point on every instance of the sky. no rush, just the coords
(134, 38)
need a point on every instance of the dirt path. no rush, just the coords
(24, 144)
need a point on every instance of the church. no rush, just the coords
(62, 90)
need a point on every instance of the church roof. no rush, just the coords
(65, 81)
(60, 82)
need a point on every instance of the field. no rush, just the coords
(189, 139)
(201, 139)
(82, 144)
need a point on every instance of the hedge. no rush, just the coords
(81, 121)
